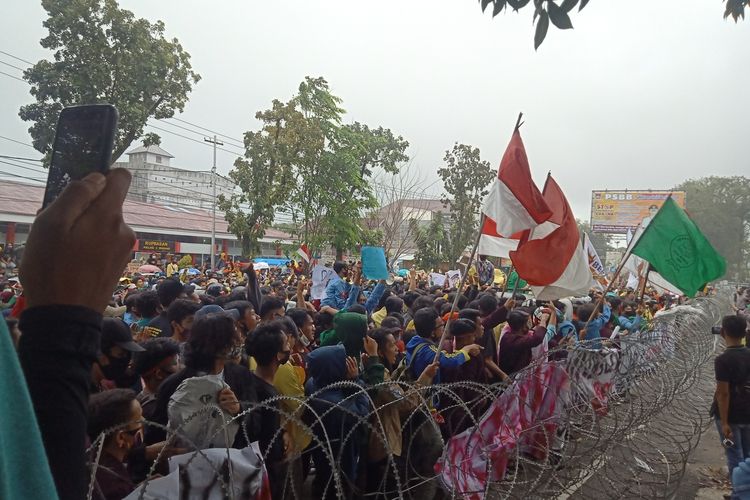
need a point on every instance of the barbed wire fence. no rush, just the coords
(615, 422)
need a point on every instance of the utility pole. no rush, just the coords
(213, 204)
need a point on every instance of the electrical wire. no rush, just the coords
(16, 57)
(164, 120)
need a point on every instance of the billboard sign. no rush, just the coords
(615, 211)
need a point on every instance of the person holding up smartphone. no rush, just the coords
(62, 322)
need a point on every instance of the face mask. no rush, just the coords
(235, 352)
(304, 340)
(116, 368)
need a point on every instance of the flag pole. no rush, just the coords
(606, 290)
(645, 282)
(460, 286)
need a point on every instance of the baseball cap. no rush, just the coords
(116, 332)
(214, 309)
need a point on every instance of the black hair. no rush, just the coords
(424, 322)
(517, 318)
(734, 326)
(627, 303)
(168, 291)
(474, 304)
(462, 299)
(462, 327)
(438, 303)
(470, 314)
(445, 309)
(269, 304)
(422, 302)
(181, 309)
(408, 335)
(234, 296)
(394, 304)
(391, 321)
(157, 350)
(357, 308)
(323, 321)
(148, 304)
(266, 341)
(109, 409)
(380, 335)
(614, 302)
(131, 301)
(206, 299)
(339, 265)
(386, 295)
(585, 311)
(240, 305)
(290, 328)
(298, 315)
(210, 336)
(410, 297)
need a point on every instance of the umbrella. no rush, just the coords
(148, 269)
(193, 271)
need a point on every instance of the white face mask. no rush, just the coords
(305, 341)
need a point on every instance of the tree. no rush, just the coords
(432, 241)
(545, 11)
(104, 54)
(465, 179)
(720, 206)
(263, 174)
(600, 241)
(558, 12)
(151, 139)
(400, 202)
(306, 163)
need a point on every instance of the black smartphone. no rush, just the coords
(83, 144)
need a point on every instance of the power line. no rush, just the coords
(20, 158)
(13, 66)
(15, 57)
(17, 142)
(191, 139)
(196, 132)
(208, 130)
(14, 77)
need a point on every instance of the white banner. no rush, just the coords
(321, 275)
(453, 277)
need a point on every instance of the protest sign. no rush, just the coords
(374, 266)
(321, 275)
(437, 279)
(453, 277)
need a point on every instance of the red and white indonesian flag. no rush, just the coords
(551, 257)
(304, 252)
(514, 203)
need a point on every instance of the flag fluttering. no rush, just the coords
(493, 243)
(514, 203)
(304, 252)
(678, 251)
(551, 256)
(595, 263)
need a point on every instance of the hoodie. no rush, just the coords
(349, 329)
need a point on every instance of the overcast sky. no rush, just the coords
(641, 94)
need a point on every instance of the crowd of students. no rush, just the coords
(259, 361)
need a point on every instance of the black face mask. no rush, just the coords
(117, 368)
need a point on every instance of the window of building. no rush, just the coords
(158, 159)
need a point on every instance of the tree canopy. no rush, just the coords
(304, 162)
(104, 54)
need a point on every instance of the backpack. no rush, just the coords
(403, 372)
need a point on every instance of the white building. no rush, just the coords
(155, 181)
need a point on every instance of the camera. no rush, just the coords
(716, 330)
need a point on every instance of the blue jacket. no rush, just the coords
(372, 300)
(630, 324)
(595, 326)
(426, 355)
(337, 293)
(340, 414)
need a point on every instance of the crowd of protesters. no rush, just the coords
(129, 370)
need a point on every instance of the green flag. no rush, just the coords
(676, 249)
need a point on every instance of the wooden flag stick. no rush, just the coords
(460, 288)
(645, 282)
(604, 293)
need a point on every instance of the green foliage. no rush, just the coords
(432, 241)
(736, 9)
(104, 54)
(600, 241)
(465, 179)
(151, 139)
(720, 206)
(545, 11)
(306, 163)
